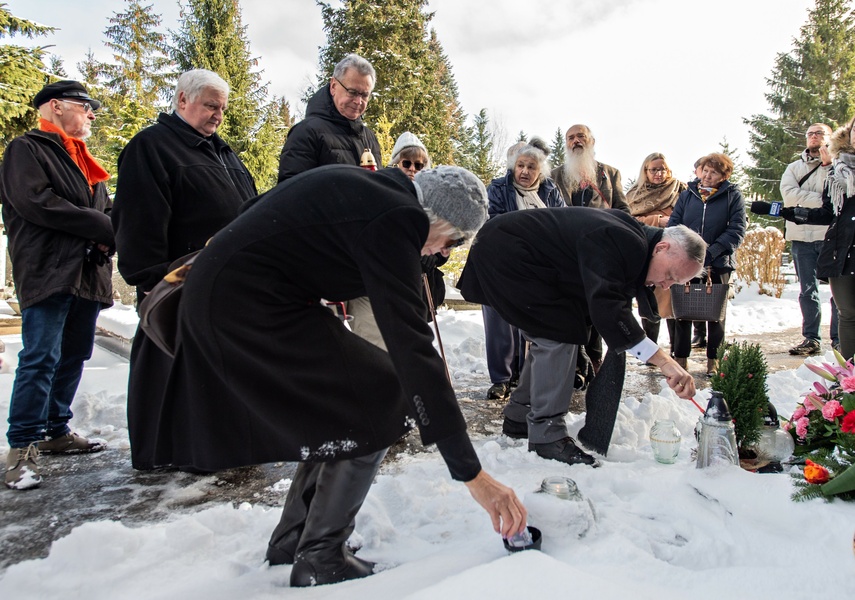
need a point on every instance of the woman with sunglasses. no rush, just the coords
(526, 185)
(651, 200)
(409, 155)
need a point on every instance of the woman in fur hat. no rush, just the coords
(836, 261)
(651, 200)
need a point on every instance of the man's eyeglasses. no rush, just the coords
(659, 170)
(354, 93)
(87, 108)
(454, 244)
(408, 163)
(814, 133)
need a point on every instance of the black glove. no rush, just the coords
(761, 208)
(96, 256)
(429, 263)
(584, 370)
(796, 214)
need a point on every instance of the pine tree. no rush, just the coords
(738, 177)
(22, 75)
(480, 155)
(212, 36)
(134, 86)
(741, 378)
(415, 88)
(57, 67)
(522, 136)
(813, 83)
(558, 151)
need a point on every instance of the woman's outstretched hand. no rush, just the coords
(505, 509)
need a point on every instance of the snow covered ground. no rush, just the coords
(646, 529)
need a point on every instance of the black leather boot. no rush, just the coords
(322, 556)
(283, 543)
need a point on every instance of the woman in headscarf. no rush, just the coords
(651, 200)
(264, 372)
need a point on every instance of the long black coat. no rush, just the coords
(263, 372)
(175, 190)
(553, 273)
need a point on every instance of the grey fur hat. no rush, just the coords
(454, 195)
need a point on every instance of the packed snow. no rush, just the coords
(643, 529)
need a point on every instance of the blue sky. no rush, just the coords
(672, 76)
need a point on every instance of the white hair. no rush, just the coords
(193, 82)
(356, 62)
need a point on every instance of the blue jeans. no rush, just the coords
(58, 334)
(805, 255)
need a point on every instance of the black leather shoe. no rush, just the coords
(499, 391)
(515, 429)
(564, 450)
(699, 341)
(321, 568)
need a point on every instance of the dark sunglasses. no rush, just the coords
(408, 163)
(454, 244)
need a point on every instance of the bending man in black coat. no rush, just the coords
(283, 379)
(553, 274)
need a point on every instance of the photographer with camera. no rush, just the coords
(801, 186)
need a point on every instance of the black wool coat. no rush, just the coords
(263, 372)
(325, 137)
(553, 273)
(51, 216)
(175, 190)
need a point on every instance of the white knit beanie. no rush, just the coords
(454, 195)
(406, 140)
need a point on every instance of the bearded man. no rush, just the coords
(582, 180)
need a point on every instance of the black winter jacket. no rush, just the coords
(325, 137)
(720, 221)
(51, 216)
(175, 190)
(553, 273)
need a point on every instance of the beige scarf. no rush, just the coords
(653, 197)
(527, 197)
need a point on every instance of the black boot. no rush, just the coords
(283, 543)
(322, 556)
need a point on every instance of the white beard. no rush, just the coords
(580, 166)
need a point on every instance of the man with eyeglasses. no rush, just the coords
(333, 132)
(801, 186)
(55, 207)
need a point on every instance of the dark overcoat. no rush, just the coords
(51, 215)
(553, 273)
(264, 372)
(175, 190)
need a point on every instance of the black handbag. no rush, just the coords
(700, 301)
(159, 309)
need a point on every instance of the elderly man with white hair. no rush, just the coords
(179, 183)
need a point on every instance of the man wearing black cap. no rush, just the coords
(55, 207)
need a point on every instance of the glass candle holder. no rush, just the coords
(665, 441)
(562, 487)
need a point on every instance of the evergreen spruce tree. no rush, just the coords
(22, 75)
(57, 67)
(212, 36)
(415, 89)
(522, 136)
(738, 177)
(558, 150)
(480, 155)
(814, 82)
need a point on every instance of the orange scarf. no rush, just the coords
(79, 153)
